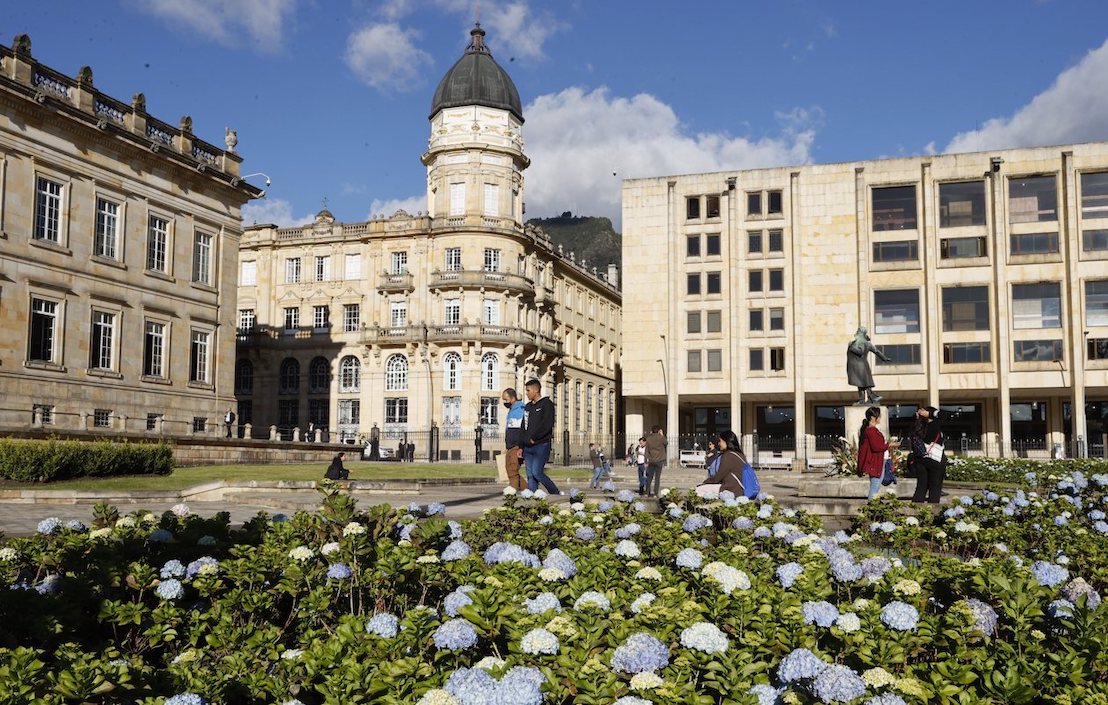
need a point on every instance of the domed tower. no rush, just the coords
(475, 158)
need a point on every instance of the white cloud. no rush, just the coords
(261, 22)
(276, 211)
(515, 29)
(411, 205)
(385, 57)
(1073, 109)
(582, 145)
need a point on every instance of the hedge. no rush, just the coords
(50, 460)
(1015, 470)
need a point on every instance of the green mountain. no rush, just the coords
(585, 236)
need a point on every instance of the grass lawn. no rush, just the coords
(187, 477)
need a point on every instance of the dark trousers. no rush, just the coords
(653, 478)
(929, 480)
(642, 477)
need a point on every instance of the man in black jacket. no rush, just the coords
(336, 470)
(538, 432)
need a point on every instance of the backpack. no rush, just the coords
(751, 486)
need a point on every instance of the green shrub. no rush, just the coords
(50, 460)
(1014, 470)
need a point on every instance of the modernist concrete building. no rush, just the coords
(982, 277)
(413, 322)
(118, 259)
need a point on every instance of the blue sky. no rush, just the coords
(330, 97)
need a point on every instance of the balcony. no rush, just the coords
(481, 279)
(470, 222)
(399, 281)
(507, 335)
(392, 335)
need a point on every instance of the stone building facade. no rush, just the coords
(118, 251)
(413, 322)
(982, 277)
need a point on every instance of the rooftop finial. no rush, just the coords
(477, 43)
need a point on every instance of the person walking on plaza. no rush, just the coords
(513, 432)
(598, 464)
(655, 460)
(929, 455)
(640, 463)
(538, 432)
(229, 421)
(336, 470)
(871, 450)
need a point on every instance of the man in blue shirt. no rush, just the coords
(513, 431)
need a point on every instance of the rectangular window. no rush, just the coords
(1032, 199)
(458, 199)
(453, 259)
(757, 360)
(157, 244)
(776, 241)
(1036, 306)
(492, 260)
(398, 314)
(1037, 350)
(776, 280)
(715, 361)
(692, 284)
(755, 280)
(1094, 195)
(247, 319)
(692, 246)
(692, 207)
(351, 317)
(318, 413)
(754, 203)
(200, 357)
(102, 418)
(777, 319)
(321, 317)
(714, 321)
(44, 328)
(896, 311)
(1034, 243)
(962, 247)
(488, 407)
(754, 242)
(106, 242)
(961, 204)
(1094, 240)
(896, 251)
(48, 209)
(492, 200)
(152, 421)
(292, 270)
(1097, 349)
(248, 273)
(777, 359)
(965, 308)
(492, 312)
(757, 319)
(452, 312)
(1096, 303)
(153, 350)
(773, 202)
(199, 424)
(288, 415)
(714, 283)
(352, 266)
(965, 353)
(694, 358)
(712, 209)
(906, 354)
(292, 319)
(45, 413)
(350, 411)
(399, 262)
(322, 268)
(202, 258)
(101, 344)
(693, 322)
(894, 208)
(396, 411)
(712, 245)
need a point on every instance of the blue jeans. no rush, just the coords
(642, 477)
(597, 472)
(535, 457)
(874, 487)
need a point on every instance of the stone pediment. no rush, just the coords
(289, 296)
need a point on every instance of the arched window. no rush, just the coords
(244, 377)
(319, 376)
(451, 371)
(289, 382)
(350, 374)
(490, 372)
(396, 374)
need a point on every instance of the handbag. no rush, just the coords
(888, 477)
(935, 451)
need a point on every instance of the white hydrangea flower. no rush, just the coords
(100, 533)
(329, 548)
(648, 573)
(551, 575)
(912, 521)
(489, 662)
(353, 529)
(181, 509)
(564, 512)
(905, 586)
(509, 491)
(577, 506)
(427, 559)
(301, 553)
(540, 493)
(8, 553)
(848, 622)
(292, 654)
(729, 579)
(878, 678)
(647, 680)
(125, 521)
(149, 518)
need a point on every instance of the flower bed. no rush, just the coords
(713, 601)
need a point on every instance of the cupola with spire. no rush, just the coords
(476, 79)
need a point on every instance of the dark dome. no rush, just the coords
(476, 79)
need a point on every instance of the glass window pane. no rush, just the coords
(961, 204)
(714, 285)
(757, 359)
(776, 241)
(965, 308)
(754, 203)
(693, 322)
(894, 208)
(773, 204)
(714, 321)
(1034, 243)
(897, 251)
(692, 207)
(961, 247)
(693, 361)
(715, 360)
(1094, 195)
(754, 242)
(756, 280)
(692, 246)
(712, 243)
(1036, 305)
(693, 284)
(1032, 199)
(896, 311)
(1092, 240)
(776, 280)
(906, 354)
(1037, 350)
(756, 322)
(1096, 303)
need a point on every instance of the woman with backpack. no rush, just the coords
(730, 470)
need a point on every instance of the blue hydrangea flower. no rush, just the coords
(170, 589)
(574, 493)
(1060, 608)
(800, 664)
(1060, 520)
(689, 558)
(743, 523)
(640, 653)
(339, 571)
(900, 616)
(628, 531)
(1096, 515)
(766, 694)
(186, 699)
(1048, 574)
(838, 684)
(280, 518)
(605, 506)
(172, 569)
(625, 496)
(820, 613)
(585, 533)
(704, 637)
(1101, 527)
(455, 530)
(984, 616)
(539, 641)
(608, 486)
(695, 522)
(886, 699)
(543, 602)
(632, 700)
(194, 567)
(521, 685)
(456, 551)
(455, 634)
(788, 573)
(875, 567)
(49, 526)
(76, 525)
(457, 600)
(161, 536)
(675, 512)
(558, 560)
(49, 585)
(436, 508)
(1078, 587)
(762, 532)
(383, 625)
(505, 552)
(594, 599)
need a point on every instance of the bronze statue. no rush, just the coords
(858, 372)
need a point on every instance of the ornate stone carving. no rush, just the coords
(186, 124)
(22, 45)
(84, 77)
(138, 102)
(230, 138)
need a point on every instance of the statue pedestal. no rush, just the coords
(855, 415)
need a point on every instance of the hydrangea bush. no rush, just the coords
(551, 604)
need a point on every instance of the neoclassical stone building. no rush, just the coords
(118, 259)
(413, 322)
(982, 277)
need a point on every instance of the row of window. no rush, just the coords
(981, 352)
(108, 232)
(1038, 243)
(757, 279)
(44, 342)
(352, 266)
(758, 204)
(592, 395)
(757, 242)
(396, 374)
(491, 205)
(106, 418)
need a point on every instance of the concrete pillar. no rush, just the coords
(296, 435)
(272, 433)
(36, 418)
(247, 430)
(1002, 324)
(123, 422)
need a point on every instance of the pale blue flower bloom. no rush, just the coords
(838, 684)
(689, 558)
(49, 526)
(455, 634)
(900, 616)
(383, 625)
(339, 571)
(543, 602)
(457, 600)
(456, 551)
(170, 589)
(161, 536)
(788, 573)
(984, 616)
(820, 613)
(558, 560)
(186, 699)
(1048, 574)
(640, 653)
(800, 664)
(172, 569)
